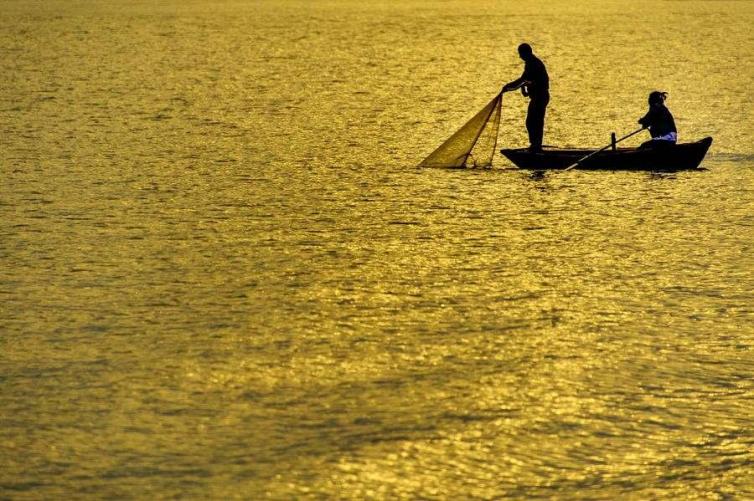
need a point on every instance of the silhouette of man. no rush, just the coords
(535, 84)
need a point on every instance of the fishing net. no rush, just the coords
(473, 145)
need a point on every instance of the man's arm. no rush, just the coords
(646, 120)
(519, 82)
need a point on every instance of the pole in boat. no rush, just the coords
(611, 145)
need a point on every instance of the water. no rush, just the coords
(223, 276)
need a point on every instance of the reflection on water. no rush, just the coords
(222, 274)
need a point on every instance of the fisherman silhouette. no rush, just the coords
(535, 84)
(659, 121)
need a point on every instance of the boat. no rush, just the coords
(684, 156)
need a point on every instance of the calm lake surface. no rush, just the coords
(222, 275)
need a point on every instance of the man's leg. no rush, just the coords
(535, 122)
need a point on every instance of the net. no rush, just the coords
(473, 145)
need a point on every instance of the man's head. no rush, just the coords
(524, 51)
(656, 98)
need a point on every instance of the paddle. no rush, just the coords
(602, 149)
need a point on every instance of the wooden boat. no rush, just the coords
(684, 156)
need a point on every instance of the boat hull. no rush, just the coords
(685, 156)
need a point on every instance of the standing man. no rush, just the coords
(534, 83)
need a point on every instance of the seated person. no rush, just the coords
(659, 121)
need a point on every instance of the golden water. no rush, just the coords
(222, 275)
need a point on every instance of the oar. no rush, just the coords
(602, 149)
